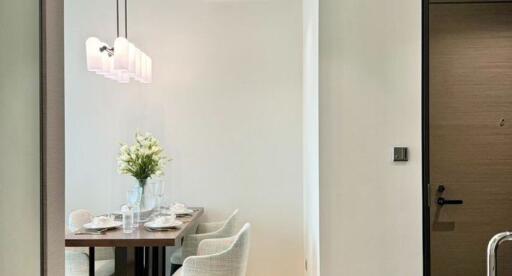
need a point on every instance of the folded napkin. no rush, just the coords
(102, 221)
(179, 207)
(164, 220)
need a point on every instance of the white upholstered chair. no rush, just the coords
(210, 230)
(219, 257)
(77, 258)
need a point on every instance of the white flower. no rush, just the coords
(134, 149)
(143, 159)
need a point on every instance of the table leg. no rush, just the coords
(139, 260)
(147, 261)
(157, 259)
(91, 261)
(121, 261)
(129, 261)
(164, 261)
(150, 261)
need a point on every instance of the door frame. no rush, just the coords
(425, 133)
(51, 106)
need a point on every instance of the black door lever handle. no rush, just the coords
(442, 201)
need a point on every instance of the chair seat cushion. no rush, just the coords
(104, 268)
(104, 253)
(177, 257)
(77, 264)
(179, 272)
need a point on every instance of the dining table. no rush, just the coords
(141, 252)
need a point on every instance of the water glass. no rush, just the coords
(133, 199)
(127, 212)
(136, 215)
(158, 192)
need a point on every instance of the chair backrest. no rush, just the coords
(238, 254)
(229, 227)
(78, 218)
(227, 256)
(191, 242)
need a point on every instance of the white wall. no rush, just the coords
(19, 142)
(226, 102)
(370, 89)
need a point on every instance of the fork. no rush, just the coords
(159, 230)
(88, 232)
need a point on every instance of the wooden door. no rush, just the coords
(470, 134)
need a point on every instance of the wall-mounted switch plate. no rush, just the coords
(400, 154)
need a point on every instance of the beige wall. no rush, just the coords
(310, 137)
(370, 89)
(19, 146)
(226, 102)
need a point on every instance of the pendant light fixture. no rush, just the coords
(122, 62)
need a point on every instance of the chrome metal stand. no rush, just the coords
(492, 251)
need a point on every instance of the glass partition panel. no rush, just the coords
(19, 138)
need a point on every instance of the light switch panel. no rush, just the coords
(400, 154)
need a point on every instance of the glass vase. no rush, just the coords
(134, 200)
(141, 183)
(145, 200)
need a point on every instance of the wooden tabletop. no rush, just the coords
(138, 238)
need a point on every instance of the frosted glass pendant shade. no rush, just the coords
(121, 54)
(122, 62)
(143, 68)
(124, 77)
(149, 64)
(110, 69)
(92, 46)
(105, 64)
(113, 76)
(140, 68)
(132, 56)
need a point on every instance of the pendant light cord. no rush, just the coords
(117, 17)
(125, 18)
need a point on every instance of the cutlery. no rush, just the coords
(159, 230)
(91, 232)
(185, 216)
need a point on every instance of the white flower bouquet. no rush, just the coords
(143, 159)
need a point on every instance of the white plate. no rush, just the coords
(112, 225)
(183, 212)
(178, 213)
(119, 213)
(171, 224)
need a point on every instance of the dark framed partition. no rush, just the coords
(425, 136)
(20, 117)
(52, 136)
(42, 230)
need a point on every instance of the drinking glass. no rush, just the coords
(158, 192)
(127, 212)
(133, 199)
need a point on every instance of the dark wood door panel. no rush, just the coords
(470, 134)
